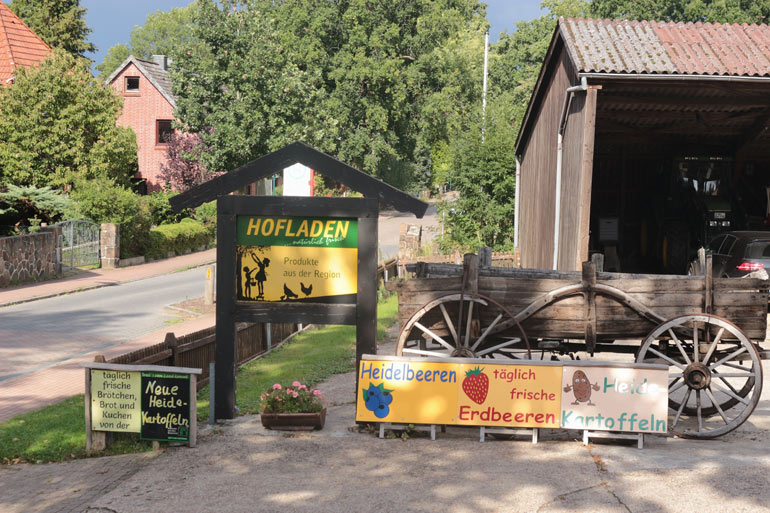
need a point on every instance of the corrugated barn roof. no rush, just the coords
(656, 47)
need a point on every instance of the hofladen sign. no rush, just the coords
(632, 398)
(297, 259)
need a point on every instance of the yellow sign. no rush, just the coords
(297, 259)
(475, 394)
(116, 401)
(612, 398)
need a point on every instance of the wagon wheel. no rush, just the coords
(464, 326)
(715, 374)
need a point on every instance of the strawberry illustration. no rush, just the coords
(476, 385)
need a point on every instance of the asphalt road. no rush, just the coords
(42, 333)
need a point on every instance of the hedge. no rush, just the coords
(178, 238)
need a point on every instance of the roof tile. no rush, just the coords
(19, 46)
(626, 46)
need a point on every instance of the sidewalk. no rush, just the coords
(65, 379)
(86, 280)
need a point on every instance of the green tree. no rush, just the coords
(162, 32)
(57, 125)
(714, 11)
(352, 78)
(20, 205)
(60, 23)
(482, 172)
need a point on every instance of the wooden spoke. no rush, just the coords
(728, 392)
(448, 322)
(716, 404)
(736, 366)
(677, 387)
(499, 346)
(695, 350)
(713, 345)
(468, 324)
(420, 352)
(681, 407)
(679, 345)
(728, 357)
(486, 332)
(698, 407)
(669, 360)
(433, 336)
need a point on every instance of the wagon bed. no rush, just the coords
(707, 330)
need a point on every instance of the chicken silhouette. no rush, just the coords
(288, 293)
(306, 290)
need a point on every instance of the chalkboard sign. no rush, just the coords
(165, 407)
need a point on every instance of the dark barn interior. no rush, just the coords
(676, 161)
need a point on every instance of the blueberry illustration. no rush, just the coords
(382, 411)
(377, 398)
(387, 398)
(372, 403)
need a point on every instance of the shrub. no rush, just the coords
(207, 214)
(188, 234)
(160, 208)
(104, 202)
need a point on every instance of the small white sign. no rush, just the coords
(297, 181)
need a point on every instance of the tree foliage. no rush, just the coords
(60, 23)
(162, 32)
(184, 167)
(373, 83)
(57, 125)
(714, 11)
(21, 204)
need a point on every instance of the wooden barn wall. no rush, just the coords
(576, 180)
(538, 170)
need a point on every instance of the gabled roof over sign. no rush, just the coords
(19, 46)
(154, 72)
(299, 152)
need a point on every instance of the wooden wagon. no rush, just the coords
(706, 329)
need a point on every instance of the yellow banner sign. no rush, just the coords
(297, 259)
(483, 394)
(116, 401)
(615, 398)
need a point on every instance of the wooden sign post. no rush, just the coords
(294, 259)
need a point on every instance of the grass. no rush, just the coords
(57, 432)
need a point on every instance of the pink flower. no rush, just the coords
(277, 386)
(297, 384)
(295, 394)
(289, 391)
(316, 392)
(263, 396)
(302, 387)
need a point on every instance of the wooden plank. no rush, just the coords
(589, 298)
(586, 175)
(139, 368)
(366, 296)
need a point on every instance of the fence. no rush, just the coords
(196, 350)
(499, 259)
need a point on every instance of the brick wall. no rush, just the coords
(30, 257)
(141, 110)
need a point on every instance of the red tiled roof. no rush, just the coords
(19, 46)
(657, 47)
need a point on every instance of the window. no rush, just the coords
(164, 130)
(132, 84)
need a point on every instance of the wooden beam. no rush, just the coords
(586, 176)
(320, 162)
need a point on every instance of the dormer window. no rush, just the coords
(132, 84)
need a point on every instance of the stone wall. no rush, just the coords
(26, 258)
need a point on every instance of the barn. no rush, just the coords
(641, 141)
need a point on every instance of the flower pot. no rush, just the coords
(294, 421)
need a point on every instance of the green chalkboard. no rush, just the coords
(165, 407)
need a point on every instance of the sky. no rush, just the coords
(113, 20)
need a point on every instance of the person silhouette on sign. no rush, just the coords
(248, 282)
(261, 275)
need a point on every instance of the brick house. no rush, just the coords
(148, 108)
(19, 46)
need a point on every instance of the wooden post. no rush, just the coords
(702, 261)
(193, 410)
(598, 260)
(485, 257)
(471, 272)
(225, 345)
(589, 297)
(709, 285)
(95, 440)
(173, 345)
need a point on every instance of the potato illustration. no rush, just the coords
(581, 387)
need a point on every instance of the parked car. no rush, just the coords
(736, 254)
